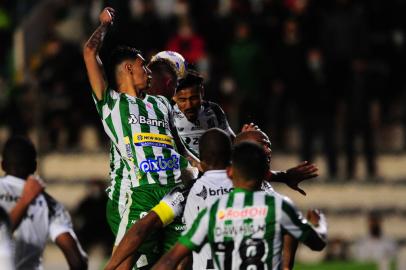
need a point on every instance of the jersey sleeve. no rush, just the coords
(106, 103)
(293, 221)
(196, 236)
(194, 204)
(172, 205)
(60, 221)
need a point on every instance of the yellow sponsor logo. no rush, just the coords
(153, 139)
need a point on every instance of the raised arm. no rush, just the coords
(295, 175)
(94, 65)
(32, 188)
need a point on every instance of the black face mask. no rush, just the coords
(375, 231)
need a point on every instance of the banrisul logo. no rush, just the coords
(133, 119)
(160, 164)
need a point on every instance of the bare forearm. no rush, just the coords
(94, 65)
(18, 212)
(133, 239)
(95, 41)
(276, 176)
(166, 263)
(289, 251)
(127, 247)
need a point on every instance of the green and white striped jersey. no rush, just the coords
(143, 150)
(245, 228)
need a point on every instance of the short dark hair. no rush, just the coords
(117, 56)
(19, 154)
(250, 160)
(215, 147)
(161, 66)
(192, 79)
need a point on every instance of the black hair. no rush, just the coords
(215, 148)
(117, 56)
(19, 156)
(192, 79)
(250, 160)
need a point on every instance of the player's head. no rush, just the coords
(214, 149)
(258, 137)
(164, 79)
(129, 69)
(189, 95)
(19, 157)
(249, 165)
(167, 68)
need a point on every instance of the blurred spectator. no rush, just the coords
(246, 67)
(189, 44)
(375, 247)
(61, 74)
(289, 79)
(6, 32)
(337, 250)
(90, 218)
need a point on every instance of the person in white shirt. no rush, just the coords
(375, 247)
(6, 254)
(34, 215)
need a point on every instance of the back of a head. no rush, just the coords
(118, 56)
(19, 156)
(215, 148)
(250, 161)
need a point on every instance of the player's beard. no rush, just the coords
(191, 115)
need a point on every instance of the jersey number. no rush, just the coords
(189, 140)
(251, 251)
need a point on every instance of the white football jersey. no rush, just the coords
(210, 116)
(44, 218)
(6, 253)
(206, 190)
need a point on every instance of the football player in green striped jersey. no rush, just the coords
(245, 227)
(144, 157)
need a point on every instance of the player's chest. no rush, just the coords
(205, 121)
(146, 115)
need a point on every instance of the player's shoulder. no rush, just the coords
(210, 105)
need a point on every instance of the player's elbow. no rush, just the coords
(315, 242)
(89, 51)
(318, 245)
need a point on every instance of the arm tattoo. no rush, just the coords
(96, 39)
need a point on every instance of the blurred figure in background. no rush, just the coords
(6, 254)
(90, 218)
(190, 45)
(375, 247)
(35, 215)
(245, 67)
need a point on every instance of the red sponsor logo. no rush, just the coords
(249, 212)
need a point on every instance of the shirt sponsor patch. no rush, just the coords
(160, 164)
(152, 139)
(133, 119)
(250, 212)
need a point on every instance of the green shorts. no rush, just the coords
(139, 202)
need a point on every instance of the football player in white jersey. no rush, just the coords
(6, 253)
(35, 216)
(244, 227)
